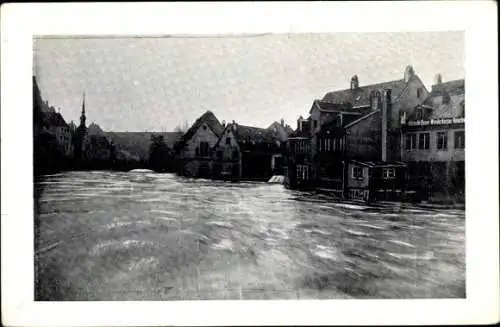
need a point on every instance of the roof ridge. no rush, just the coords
(369, 85)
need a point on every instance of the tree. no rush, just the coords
(160, 155)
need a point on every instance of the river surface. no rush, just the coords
(146, 236)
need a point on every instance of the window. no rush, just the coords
(204, 149)
(442, 141)
(423, 141)
(357, 172)
(204, 127)
(419, 93)
(389, 173)
(459, 139)
(411, 141)
(219, 155)
(228, 140)
(375, 103)
(302, 172)
(315, 123)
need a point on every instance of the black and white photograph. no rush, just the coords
(249, 167)
(236, 166)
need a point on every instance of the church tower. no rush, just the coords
(80, 134)
(82, 117)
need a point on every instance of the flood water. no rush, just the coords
(146, 236)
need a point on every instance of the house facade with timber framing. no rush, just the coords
(354, 126)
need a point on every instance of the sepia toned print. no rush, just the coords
(304, 166)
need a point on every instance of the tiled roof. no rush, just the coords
(251, 138)
(360, 96)
(254, 134)
(450, 109)
(452, 88)
(50, 119)
(207, 118)
(331, 107)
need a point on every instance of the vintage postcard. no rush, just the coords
(204, 169)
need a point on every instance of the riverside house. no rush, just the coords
(193, 151)
(353, 134)
(245, 153)
(434, 142)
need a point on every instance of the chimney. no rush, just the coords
(386, 122)
(409, 72)
(282, 122)
(438, 79)
(354, 82)
(299, 123)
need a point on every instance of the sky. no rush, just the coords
(158, 83)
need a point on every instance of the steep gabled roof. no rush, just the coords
(451, 88)
(207, 118)
(360, 96)
(288, 129)
(331, 107)
(283, 130)
(251, 138)
(51, 119)
(244, 133)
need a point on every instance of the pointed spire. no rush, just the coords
(83, 104)
(82, 117)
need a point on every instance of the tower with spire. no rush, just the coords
(81, 131)
(82, 117)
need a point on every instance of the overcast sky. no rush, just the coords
(155, 84)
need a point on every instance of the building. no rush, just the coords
(404, 95)
(54, 124)
(356, 125)
(298, 158)
(433, 142)
(194, 149)
(282, 131)
(375, 180)
(245, 152)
